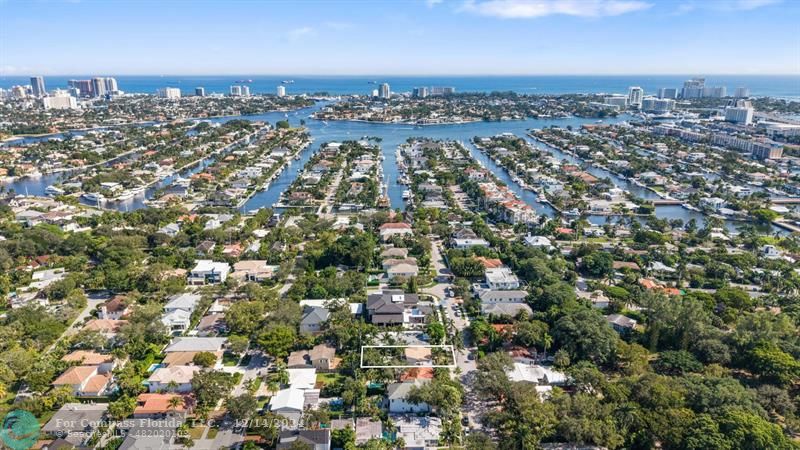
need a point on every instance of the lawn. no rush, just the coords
(328, 378)
(196, 432)
(229, 359)
(212, 433)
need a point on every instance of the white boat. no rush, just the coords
(53, 190)
(125, 195)
(406, 194)
(94, 197)
(542, 198)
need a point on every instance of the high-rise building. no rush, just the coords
(742, 92)
(199, 91)
(84, 87)
(169, 92)
(715, 92)
(693, 88)
(111, 85)
(657, 105)
(385, 91)
(19, 92)
(374, 92)
(236, 91)
(668, 93)
(37, 87)
(99, 86)
(280, 91)
(245, 91)
(635, 96)
(60, 100)
(420, 92)
(620, 101)
(740, 112)
(442, 90)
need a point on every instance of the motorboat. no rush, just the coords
(53, 190)
(94, 197)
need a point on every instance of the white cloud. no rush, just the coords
(338, 26)
(299, 33)
(725, 5)
(529, 9)
(432, 3)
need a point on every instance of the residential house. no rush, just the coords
(173, 379)
(465, 243)
(501, 278)
(114, 309)
(313, 319)
(289, 404)
(207, 271)
(388, 307)
(158, 406)
(253, 270)
(75, 423)
(178, 311)
(621, 324)
(313, 439)
(388, 230)
(85, 381)
(397, 396)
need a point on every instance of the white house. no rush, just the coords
(501, 278)
(173, 378)
(207, 271)
(397, 395)
(467, 243)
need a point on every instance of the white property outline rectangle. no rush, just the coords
(448, 366)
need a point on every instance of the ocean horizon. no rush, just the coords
(781, 86)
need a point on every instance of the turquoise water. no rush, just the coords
(393, 135)
(764, 85)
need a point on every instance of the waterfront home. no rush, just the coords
(207, 271)
(712, 203)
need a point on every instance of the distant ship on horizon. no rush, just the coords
(287, 81)
(244, 81)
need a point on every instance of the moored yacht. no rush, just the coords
(53, 190)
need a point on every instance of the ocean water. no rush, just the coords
(785, 86)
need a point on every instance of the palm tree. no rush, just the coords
(174, 402)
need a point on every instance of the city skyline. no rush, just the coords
(434, 37)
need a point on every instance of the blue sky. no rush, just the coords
(399, 37)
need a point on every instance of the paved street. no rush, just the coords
(471, 407)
